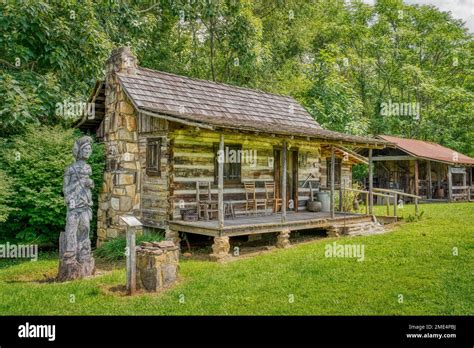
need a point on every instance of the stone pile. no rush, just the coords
(363, 228)
(157, 265)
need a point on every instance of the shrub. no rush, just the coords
(360, 172)
(35, 161)
(349, 198)
(5, 196)
(114, 250)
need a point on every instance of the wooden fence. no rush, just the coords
(385, 193)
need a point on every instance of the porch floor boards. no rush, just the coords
(245, 225)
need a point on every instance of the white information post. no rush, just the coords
(132, 223)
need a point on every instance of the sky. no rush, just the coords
(460, 9)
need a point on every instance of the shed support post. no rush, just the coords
(220, 182)
(395, 203)
(428, 169)
(371, 183)
(438, 176)
(469, 169)
(417, 189)
(450, 184)
(333, 169)
(283, 184)
(464, 183)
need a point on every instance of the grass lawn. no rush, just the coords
(414, 260)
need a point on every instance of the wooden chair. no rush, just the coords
(251, 200)
(206, 206)
(270, 195)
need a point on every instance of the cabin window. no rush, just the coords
(337, 174)
(232, 163)
(153, 156)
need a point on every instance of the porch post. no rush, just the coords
(333, 170)
(438, 177)
(470, 183)
(283, 183)
(371, 183)
(220, 184)
(417, 189)
(464, 183)
(450, 184)
(428, 168)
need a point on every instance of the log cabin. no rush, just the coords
(422, 168)
(191, 156)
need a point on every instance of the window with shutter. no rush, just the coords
(153, 156)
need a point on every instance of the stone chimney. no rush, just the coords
(122, 60)
(119, 194)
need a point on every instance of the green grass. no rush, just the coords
(414, 260)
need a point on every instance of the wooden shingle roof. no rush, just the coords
(222, 105)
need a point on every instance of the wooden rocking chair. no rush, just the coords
(270, 195)
(251, 201)
(206, 206)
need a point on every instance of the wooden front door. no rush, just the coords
(291, 176)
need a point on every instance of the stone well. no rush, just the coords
(157, 265)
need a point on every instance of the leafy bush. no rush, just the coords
(6, 194)
(349, 198)
(34, 163)
(360, 172)
(114, 249)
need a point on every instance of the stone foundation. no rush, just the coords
(220, 249)
(157, 265)
(356, 229)
(283, 239)
(173, 236)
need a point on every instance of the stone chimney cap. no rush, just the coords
(122, 60)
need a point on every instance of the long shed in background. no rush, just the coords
(423, 168)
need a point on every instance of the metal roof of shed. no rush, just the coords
(428, 150)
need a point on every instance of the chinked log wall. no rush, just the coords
(193, 156)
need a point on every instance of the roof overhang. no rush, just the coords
(186, 120)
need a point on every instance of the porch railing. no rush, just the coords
(461, 192)
(385, 193)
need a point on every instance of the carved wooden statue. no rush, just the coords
(75, 255)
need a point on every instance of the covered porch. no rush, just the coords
(288, 172)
